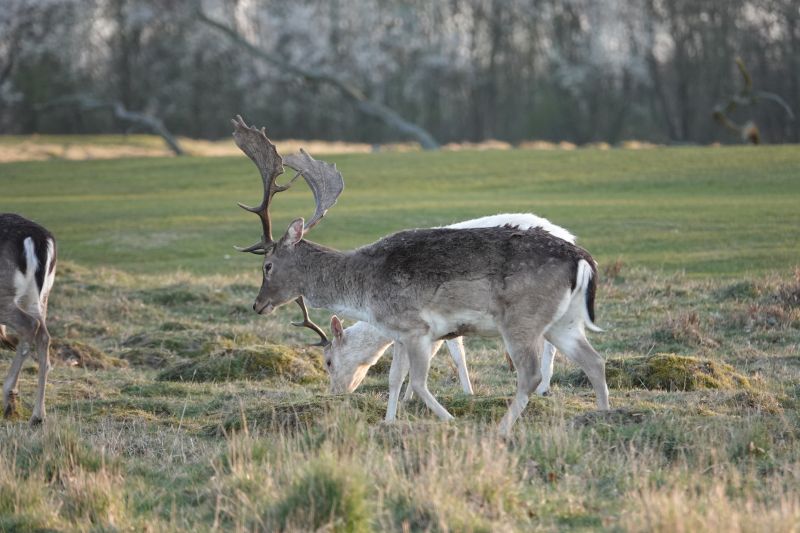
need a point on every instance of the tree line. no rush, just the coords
(391, 70)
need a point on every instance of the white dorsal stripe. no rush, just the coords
(517, 220)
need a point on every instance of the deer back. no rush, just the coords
(426, 258)
(27, 257)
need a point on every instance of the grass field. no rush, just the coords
(724, 211)
(174, 407)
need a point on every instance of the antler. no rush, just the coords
(255, 144)
(307, 322)
(324, 180)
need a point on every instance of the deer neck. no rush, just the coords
(329, 283)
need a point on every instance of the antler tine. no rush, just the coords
(255, 144)
(257, 248)
(324, 180)
(308, 323)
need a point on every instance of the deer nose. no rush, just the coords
(264, 308)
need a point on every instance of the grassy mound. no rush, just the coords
(666, 372)
(156, 348)
(84, 355)
(260, 362)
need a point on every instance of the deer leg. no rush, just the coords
(524, 353)
(548, 353)
(456, 347)
(573, 344)
(26, 327)
(509, 361)
(43, 353)
(419, 358)
(397, 374)
(5, 341)
(409, 394)
(10, 391)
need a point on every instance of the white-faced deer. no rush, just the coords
(422, 285)
(27, 271)
(354, 350)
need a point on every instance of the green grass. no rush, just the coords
(706, 211)
(173, 407)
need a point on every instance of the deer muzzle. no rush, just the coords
(263, 308)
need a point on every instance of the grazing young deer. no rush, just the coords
(354, 350)
(423, 285)
(27, 271)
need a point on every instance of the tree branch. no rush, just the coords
(90, 103)
(362, 102)
(746, 98)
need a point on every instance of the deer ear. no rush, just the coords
(336, 327)
(295, 232)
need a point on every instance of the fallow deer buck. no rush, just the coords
(27, 271)
(422, 285)
(354, 350)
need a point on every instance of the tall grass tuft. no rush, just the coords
(328, 493)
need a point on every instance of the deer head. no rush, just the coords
(325, 182)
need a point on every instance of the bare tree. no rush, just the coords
(432, 71)
(362, 102)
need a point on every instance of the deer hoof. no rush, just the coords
(11, 405)
(36, 421)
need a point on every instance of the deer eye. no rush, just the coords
(267, 268)
(328, 362)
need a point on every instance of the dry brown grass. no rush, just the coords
(85, 147)
(34, 150)
(701, 506)
(489, 144)
(124, 451)
(42, 148)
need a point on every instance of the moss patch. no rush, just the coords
(666, 372)
(259, 362)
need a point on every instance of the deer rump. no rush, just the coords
(471, 274)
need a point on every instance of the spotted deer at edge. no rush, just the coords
(27, 271)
